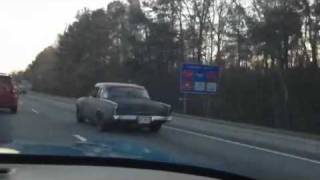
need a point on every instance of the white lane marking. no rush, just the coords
(80, 138)
(35, 111)
(245, 145)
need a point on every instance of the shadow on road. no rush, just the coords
(5, 111)
(122, 129)
(129, 130)
(118, 129)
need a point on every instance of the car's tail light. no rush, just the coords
(13, 90)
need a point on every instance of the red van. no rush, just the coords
(8, 93)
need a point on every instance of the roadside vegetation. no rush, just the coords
(267, 50)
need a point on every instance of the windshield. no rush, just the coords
(232, 85)
(128, 92)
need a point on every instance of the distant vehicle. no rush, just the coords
(121, 103)
(8, 93)
(23, 87)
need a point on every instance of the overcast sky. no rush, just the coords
(28, 26)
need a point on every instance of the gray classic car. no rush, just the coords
(109, 104)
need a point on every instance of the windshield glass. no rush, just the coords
(128, 92)
(232, 85)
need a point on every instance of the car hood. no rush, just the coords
(108, 149)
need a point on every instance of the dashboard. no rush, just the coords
(75, 172)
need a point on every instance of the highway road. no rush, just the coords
(46, 120)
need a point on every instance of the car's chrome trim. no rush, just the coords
(109, 101)
(157, 118)
(125, 117)
(135, 117)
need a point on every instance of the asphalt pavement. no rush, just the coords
(46, 120)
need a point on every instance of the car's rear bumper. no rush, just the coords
(8, 105)
(11, 103)
(135, 119)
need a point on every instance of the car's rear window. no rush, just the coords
(5, 81)
(128, 92)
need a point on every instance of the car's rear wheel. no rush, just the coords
(155, 127)
(14, 110)
(80, 119)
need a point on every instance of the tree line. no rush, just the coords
(267, 50)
